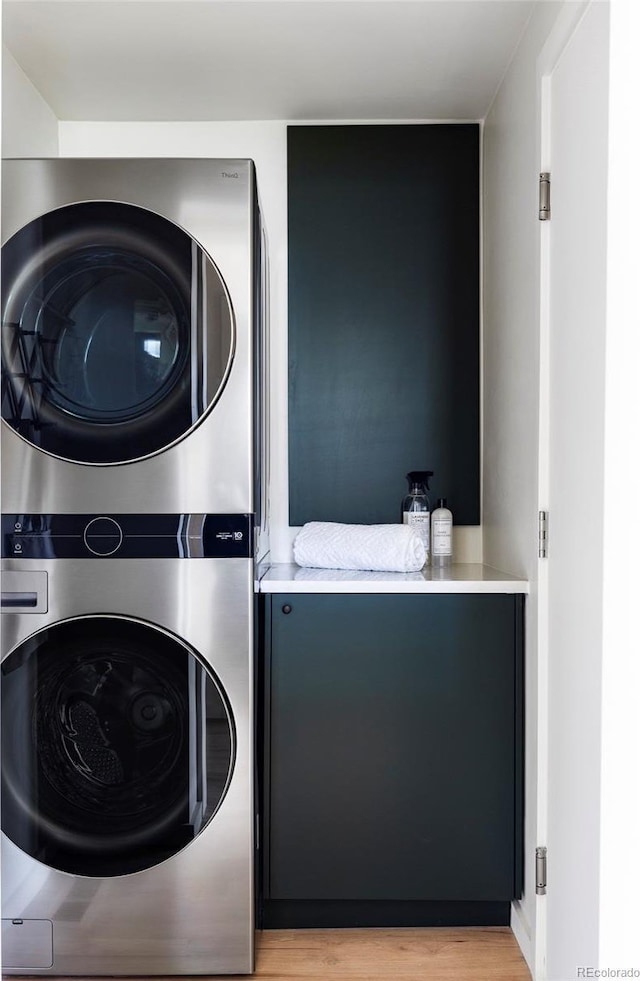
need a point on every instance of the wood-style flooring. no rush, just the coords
(442, 954)
(430, 954)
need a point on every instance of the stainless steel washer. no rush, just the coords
(132, 324)
(127, 744)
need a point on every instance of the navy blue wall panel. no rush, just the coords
(383, 318)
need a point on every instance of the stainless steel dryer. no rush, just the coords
(127, 744)
(132, 319)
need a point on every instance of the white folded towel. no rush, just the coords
(305, 574)
(380, 548)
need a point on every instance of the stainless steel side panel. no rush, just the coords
(210, 470)
(193, 914)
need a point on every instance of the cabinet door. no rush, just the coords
(392, 747)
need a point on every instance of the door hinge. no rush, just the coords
(543, 534)
(544, 197)
(541, 871)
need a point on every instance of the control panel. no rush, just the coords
(127, 536)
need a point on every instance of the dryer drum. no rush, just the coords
(117, 746)
(117, 332)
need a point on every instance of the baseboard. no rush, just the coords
(522, 932)
(280, 914)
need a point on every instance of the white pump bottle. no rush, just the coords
(441, 535)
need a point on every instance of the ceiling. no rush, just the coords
(265, 59)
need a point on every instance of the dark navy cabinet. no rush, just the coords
(393, 752)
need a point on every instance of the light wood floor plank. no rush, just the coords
(487, 954)
(429, 954)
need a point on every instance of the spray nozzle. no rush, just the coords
(419, 477)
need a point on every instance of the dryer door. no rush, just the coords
(117, 746)
(117, 333)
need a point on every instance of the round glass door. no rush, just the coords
(117, 746)
(117, 333)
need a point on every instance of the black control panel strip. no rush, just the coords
(127, 536)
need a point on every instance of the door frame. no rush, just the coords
(568, 21)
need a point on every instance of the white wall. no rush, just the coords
(511, 376)
(29, 126)
(265, 143)
(620, 801)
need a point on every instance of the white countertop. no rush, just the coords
(457, 578)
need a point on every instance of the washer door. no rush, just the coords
(117, 333)
(117, 746)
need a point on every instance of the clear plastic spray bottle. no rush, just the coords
(416, 510)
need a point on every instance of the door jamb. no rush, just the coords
(551, 53)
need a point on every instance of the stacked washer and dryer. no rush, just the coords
(133, 500)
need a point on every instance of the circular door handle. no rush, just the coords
(287, 608)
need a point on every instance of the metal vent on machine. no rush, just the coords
(117, 333)
(117, 746)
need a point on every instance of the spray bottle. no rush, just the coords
(416, 508)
